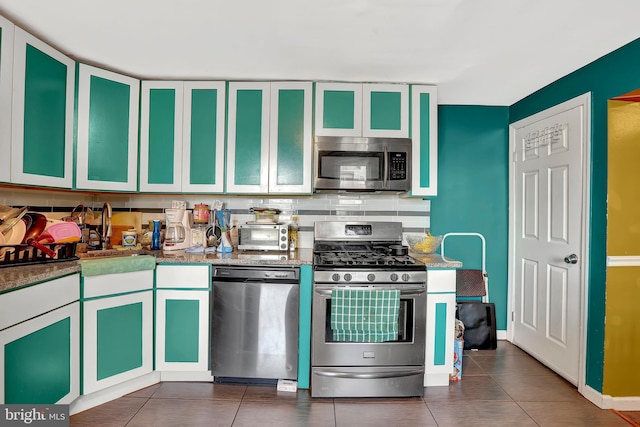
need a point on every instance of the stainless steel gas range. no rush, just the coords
(379, 350)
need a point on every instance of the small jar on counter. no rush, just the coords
(129, 238)
(201, 213)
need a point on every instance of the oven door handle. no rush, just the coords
(368, 375)
(403, 292)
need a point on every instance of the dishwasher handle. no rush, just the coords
(258, 274)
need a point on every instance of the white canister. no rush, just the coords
(129, 238)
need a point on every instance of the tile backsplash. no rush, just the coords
(413, 213)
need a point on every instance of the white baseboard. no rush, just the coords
(501, 334)
(197, 376)
(604, 401)
(88, 401)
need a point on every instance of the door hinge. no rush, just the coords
(513, 316)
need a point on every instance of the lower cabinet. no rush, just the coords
(117, 329)
(39, 354)
(183, 294)
(182, 332)
(441, 313)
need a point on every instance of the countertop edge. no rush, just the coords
(16, 277)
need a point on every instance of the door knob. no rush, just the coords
(571, 259)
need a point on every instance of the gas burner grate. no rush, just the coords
(363, 259)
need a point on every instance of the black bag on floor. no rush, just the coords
(479, 320)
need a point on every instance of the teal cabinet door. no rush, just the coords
(290, 141)
(118, 339)
(338, 109)
(441, 313)
(183, 296)
(269, 141)
(6, 72)
(107, 146)
(367, 110)
(42, 114)
(424, 135)
(161, 136)
(385, 110)
(40, 358)
(248, 138)
(203, 137)
(182, 137)
(182, 330)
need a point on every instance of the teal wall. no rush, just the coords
(473, 171)
(612, 75)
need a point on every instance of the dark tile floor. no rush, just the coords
(505, 387)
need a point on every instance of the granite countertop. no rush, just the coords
(18, 276)
(297, 258)
(436, 261)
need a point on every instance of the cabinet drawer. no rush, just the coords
(183, 277)
(26, 303)
(112, 284)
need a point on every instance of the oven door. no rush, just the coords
(408, 349)
(350, 170)
(263, 237)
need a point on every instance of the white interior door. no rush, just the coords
(548, 226)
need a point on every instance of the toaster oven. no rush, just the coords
(263, 237)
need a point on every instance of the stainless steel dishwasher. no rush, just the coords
(254, 332)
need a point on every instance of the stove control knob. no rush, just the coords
(347, 277)
(371, 277)
(393, 277)
(335, 277)
(406, 277)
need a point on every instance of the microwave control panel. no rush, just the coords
(397, 166)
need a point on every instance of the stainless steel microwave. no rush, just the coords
(362, 164)
(263, 237)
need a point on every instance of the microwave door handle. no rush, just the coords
(385, 169)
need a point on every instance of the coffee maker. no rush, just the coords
(178, 230)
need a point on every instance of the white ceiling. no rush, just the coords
(478, 52)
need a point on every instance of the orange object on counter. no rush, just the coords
(201, 213)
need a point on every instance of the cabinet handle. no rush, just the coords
(385, 168)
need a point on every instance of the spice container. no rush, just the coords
(293, 234)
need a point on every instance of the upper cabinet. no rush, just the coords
(42, 113)
(182, 136)
(161, 136)
(291, 138)
(368, 110)
(6, 71)
(107, 147)
(248, 138)
(424, 136)
(269, 137)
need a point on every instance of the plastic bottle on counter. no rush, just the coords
(293, 233)
(155, 236)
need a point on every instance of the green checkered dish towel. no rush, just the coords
(365, 315)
